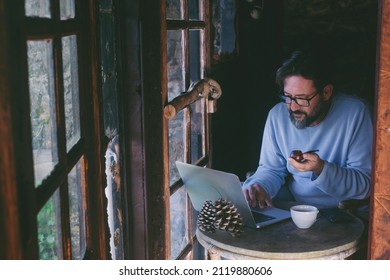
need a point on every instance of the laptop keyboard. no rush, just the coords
(261, 217)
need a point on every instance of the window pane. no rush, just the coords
(197, 130)
(179, 223)
(176, 144)
(175, 56)
(195, 9)
(71, 90)
(42, 106)
(176, 86)
(197, 108)
(195, 53)
(76, 210)
(37, 8)
(49, 229)
(67, 9)
(174, 9)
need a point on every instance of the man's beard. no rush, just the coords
(308, 120)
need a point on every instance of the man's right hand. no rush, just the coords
(257, 196)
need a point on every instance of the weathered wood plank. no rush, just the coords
(380, 215)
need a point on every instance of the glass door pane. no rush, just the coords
(49, 229)
(195, 8)
(71, 90)
(195, 55)
(174, 9)
(176, 85)
(37, 8)
(179, 222)
(42, 108)
(176, 127)
(76, 192)
(197, 109)
(197, 130)
(67, 9)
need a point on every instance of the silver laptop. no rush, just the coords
(204, 184)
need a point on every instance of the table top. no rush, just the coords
(283, 240)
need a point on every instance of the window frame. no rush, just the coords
(21, 194)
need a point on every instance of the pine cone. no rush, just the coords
(227, 217)
(220, 215)
(206, 217)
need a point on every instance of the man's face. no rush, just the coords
(301, 116)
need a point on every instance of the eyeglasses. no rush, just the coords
(304, 102)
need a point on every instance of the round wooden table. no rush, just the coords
(324, 240)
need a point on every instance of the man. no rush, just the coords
(313, 117)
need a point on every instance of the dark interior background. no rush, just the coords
(246, 58)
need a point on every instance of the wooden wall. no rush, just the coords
(379, 247)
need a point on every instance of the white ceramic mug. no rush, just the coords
(304, 216)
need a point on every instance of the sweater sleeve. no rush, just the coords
(271, 171)
(353, 180)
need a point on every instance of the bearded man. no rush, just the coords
(312, 116)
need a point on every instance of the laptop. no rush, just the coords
(204, 184)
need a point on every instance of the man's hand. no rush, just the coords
(312, 162)
(257, 195)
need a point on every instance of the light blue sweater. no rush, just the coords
(344, 139)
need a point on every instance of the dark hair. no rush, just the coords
(309, 65)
